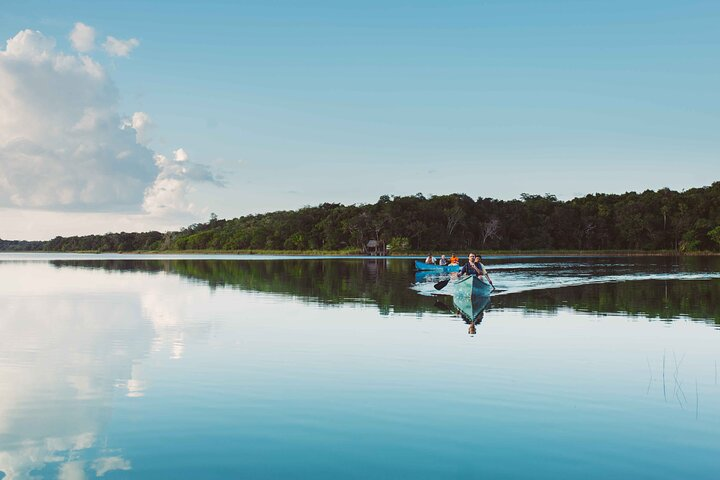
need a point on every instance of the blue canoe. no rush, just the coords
(436, 268)
(470, 287)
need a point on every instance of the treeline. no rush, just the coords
(110, 242)
(652, 220)
(21, 246)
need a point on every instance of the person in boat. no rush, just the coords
(443, 261)
(430, 259)
(475, 267)
(454, 260)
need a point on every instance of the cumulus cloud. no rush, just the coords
(60, 142)
(65, 146)
(142, 124)
(120, 48)
(170, 191)
(82, 37)
(181, 155)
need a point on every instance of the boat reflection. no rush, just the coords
(428, 276)
(471, 309)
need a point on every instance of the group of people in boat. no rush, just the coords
(473, 266)
(443, 261)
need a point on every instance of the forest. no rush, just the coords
(662, 220)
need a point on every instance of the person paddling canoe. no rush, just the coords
(472, 267)
(475, 267)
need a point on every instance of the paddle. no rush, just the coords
(443, 284)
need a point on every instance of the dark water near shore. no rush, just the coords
(238, 367)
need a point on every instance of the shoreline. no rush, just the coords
(347, 253)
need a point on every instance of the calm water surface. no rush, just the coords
(236, 367)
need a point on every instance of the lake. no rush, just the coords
(221, 366)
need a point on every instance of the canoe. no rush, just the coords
(471, 286)
(471, 307)
(436, 268)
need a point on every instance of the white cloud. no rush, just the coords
(31, 45)
(60, 142)
(82, 37)
(180, 155)
(120, 48)
(168, 195)
(142, 124)
(73, 470)
(65, 147)
(170, 191)
(109, 464)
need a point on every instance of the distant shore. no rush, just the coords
(351, 253)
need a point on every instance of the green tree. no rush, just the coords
(399, 244)
(714, 235)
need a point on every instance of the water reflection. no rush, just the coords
(79, 338)
(77, 355)
(137, 367)
(380, 281)
(471, 311)
(471, 307)
(657, 287)
(657, 299)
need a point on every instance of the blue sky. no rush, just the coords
(292, 103)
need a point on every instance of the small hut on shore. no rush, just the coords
(375, 247)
